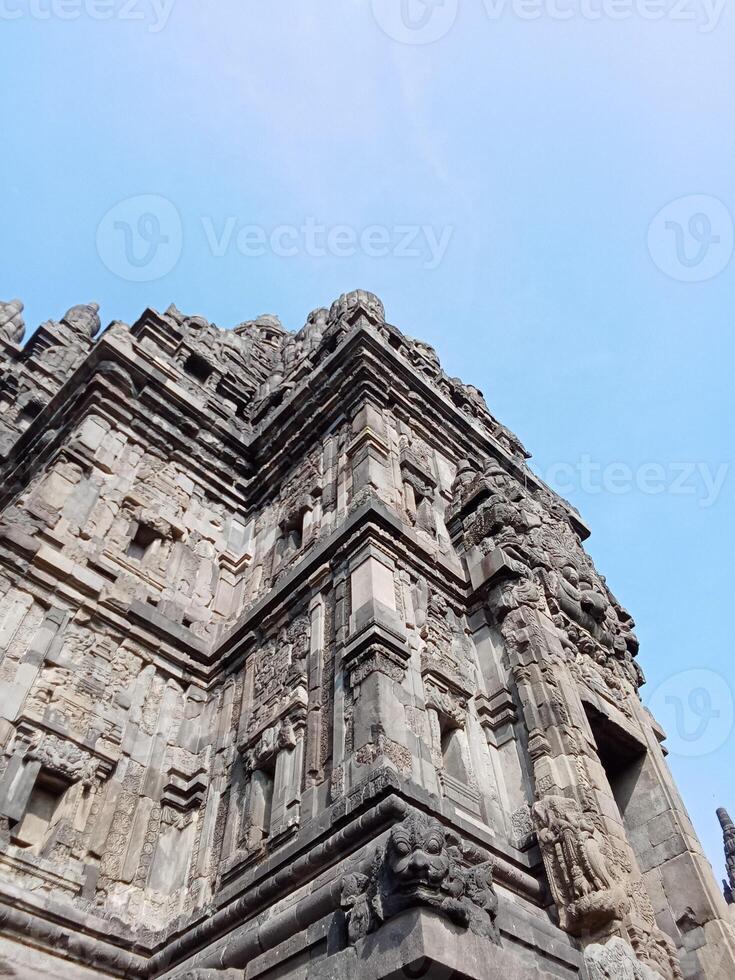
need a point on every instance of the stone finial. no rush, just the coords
(12, 325)
(357, 303)
(267, 325)
(174, 313)
(315, 326)
(728, 837)
(83, 318)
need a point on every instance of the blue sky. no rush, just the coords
(500, 188)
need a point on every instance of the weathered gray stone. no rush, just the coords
(303, 673)
(615, 960)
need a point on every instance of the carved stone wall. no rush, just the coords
(300, 663)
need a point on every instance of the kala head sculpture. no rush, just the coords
(421, 865)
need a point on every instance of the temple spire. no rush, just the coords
(728, 836)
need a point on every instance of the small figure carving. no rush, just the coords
(580, 882)
(313, 330)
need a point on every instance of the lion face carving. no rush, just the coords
(421, 864)
(417, 861)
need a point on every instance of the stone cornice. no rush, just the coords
(187, 657)
(362, 367)
(371, 518)
(105, 943)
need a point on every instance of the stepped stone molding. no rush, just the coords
(305, 673)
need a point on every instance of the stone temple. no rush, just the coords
(305, 674)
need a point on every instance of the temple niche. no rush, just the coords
(304, 673)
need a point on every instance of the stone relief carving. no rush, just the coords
(279, 673)
(448, 647)
(533, 532)
(398, 754)
(522, 827)
(615, 960)
(282, 735)
(447, 703)
(50, 685)
(655, 950)
(580, 881)
(59, 755)
(421, 865)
